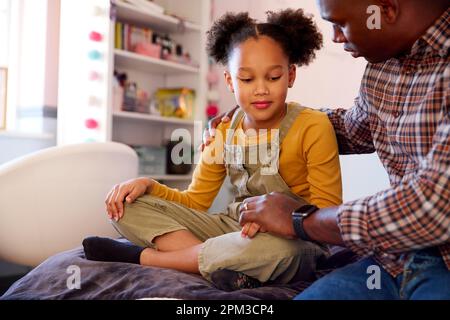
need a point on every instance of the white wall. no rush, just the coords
(332, 81)
(33, 65)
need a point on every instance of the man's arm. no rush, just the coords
(352, 128)
(411, 216)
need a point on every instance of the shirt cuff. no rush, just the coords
(352, 222)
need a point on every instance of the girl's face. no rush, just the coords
(259, 75)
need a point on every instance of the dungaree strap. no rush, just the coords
(239, 114)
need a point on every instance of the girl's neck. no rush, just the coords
(272, 123)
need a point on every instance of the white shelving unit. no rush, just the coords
(78, 19)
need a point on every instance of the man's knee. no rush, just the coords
(352, 282)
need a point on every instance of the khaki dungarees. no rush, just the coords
(265, 257)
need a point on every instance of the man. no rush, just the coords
(402, 113)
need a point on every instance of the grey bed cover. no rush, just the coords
(123, 281)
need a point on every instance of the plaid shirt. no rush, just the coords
(402, 113)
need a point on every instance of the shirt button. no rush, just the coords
(396, 114)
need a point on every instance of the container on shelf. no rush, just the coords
(148, 49)
(177, 102)
(152, 160)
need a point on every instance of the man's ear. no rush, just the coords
(229, 81)
(390, 10)
(292, 75)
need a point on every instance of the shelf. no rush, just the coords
(152, 118)
(129, 13)
(125, 59)
(172, 177)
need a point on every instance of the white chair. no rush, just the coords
(52, 199)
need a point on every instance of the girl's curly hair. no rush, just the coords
(295, 31)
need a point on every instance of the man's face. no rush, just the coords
(349, 19)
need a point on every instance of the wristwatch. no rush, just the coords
(297, 219)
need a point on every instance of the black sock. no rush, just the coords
(105, 249)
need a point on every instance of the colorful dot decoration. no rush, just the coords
(95, 76)
(95, 55)
(91, 124)
(98, 11)
(95, 102)
(212, 110)
(95, 36)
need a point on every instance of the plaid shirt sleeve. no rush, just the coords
(413, 215)
(352, 128)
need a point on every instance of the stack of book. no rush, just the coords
(128, 36)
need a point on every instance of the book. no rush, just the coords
(119, 36)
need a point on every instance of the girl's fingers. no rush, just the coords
(119, 201)
(107, 200)
(245, 229)
(112, 204)
(253, 230)
(109, 203)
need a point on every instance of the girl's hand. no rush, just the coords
(273, 212)
(131, 190)
(251, 229)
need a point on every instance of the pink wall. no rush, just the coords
(52, 56)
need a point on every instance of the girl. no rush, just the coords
(171, 229)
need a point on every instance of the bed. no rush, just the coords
(43, 217)
(122, 281)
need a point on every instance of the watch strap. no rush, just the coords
(298, 227)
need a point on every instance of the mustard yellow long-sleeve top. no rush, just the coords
(308, 163)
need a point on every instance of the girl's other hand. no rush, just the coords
(251, 229)
(127, 191)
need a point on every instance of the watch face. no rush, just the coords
(297, 215)
(307, 209)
